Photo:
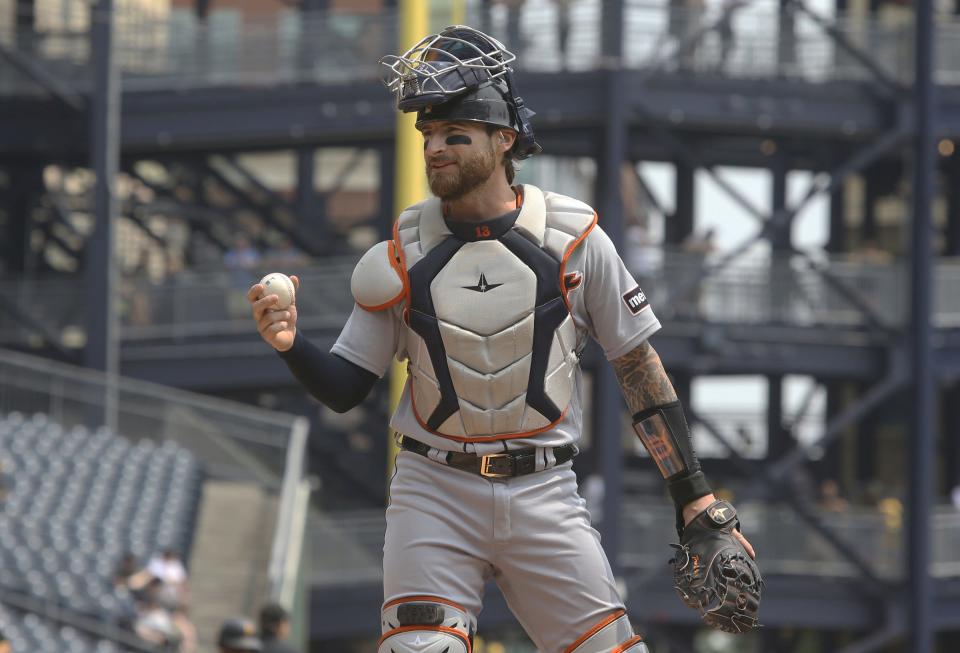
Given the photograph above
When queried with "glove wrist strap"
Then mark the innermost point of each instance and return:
(687, 487)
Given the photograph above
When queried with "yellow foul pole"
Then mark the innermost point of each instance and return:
(458, 12)
(411, 181)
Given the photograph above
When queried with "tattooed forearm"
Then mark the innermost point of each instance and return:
(642, 379)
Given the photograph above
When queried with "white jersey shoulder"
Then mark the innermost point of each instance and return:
(379, 279)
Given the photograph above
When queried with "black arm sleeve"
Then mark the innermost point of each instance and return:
(335, 381)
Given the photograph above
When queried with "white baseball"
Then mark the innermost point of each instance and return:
(279, 284)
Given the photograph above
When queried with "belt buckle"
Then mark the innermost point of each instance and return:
(487, 462)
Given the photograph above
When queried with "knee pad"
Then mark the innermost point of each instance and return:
(612, 635)
(425, 624)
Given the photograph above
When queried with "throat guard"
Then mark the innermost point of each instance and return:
(491, 343)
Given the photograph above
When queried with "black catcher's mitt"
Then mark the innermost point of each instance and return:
(714, 574)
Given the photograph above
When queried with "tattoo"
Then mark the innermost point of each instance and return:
(643, 380)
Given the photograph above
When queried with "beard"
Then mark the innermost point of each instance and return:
(455, 182)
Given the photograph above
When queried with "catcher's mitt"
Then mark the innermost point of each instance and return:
(713, 573)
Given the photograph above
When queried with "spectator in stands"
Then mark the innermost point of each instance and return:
(188, 632)
(241, 261)
(275, 628)
(154, 623)
(239, 635)
(128, 574)
(4, 643)
(697, 247)
(830, 499)
(168, 568)
(870, 252)
(284, 257)
(514, 41)
(726, 32)
(563, 30)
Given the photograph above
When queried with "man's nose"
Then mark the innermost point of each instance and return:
(434, 145)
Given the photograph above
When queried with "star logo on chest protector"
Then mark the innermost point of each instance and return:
(482, 285)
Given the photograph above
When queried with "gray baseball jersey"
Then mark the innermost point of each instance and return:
(449, 531)
(607, 305)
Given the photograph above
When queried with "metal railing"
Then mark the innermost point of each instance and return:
(233, 441)
(176, 49)
(352, 548)
(779, 291)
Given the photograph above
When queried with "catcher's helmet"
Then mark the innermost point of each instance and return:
(461, 74)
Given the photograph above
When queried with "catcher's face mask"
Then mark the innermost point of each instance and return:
(461, 74)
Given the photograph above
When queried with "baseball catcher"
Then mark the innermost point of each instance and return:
(489, 291)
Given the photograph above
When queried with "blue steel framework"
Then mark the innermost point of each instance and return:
(619, 115)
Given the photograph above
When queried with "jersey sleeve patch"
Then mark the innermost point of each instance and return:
(635, 300)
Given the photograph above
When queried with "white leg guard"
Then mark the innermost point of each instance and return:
(425, 624)
(612, 635)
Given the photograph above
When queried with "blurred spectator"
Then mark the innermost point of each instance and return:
(129, 575)
(685, 16)
(242, 256)
(154, 623)
(726, 32)
(869, 251)
(701, 243)
(238, 635)
(188, 632)
(168, 568)
(830, 499)
(955, 497)
(642, 255)
(4, 643)
(275, 629)
(563, 30)
(690, 277)
(514, 37)
(284, 257)
(240, 260)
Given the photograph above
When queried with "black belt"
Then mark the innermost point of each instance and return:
(495, 465)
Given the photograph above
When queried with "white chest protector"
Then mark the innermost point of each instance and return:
(490, 340)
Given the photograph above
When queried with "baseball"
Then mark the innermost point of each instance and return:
(279, 284)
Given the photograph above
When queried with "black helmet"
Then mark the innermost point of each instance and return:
(461, 74)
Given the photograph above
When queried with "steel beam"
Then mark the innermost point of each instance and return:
(386, 192)
(308, 215)
(25, 185)
(820, 184)
(679, 225)
(29, 67)
(863, 406)
(950, 407)
(923, 447)
(608, 408)
(889, 86)
(102, 326)
(837, 242)
(783, 492)
(778, 437)
(264, 211)
(951, 174)
(198, 217)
